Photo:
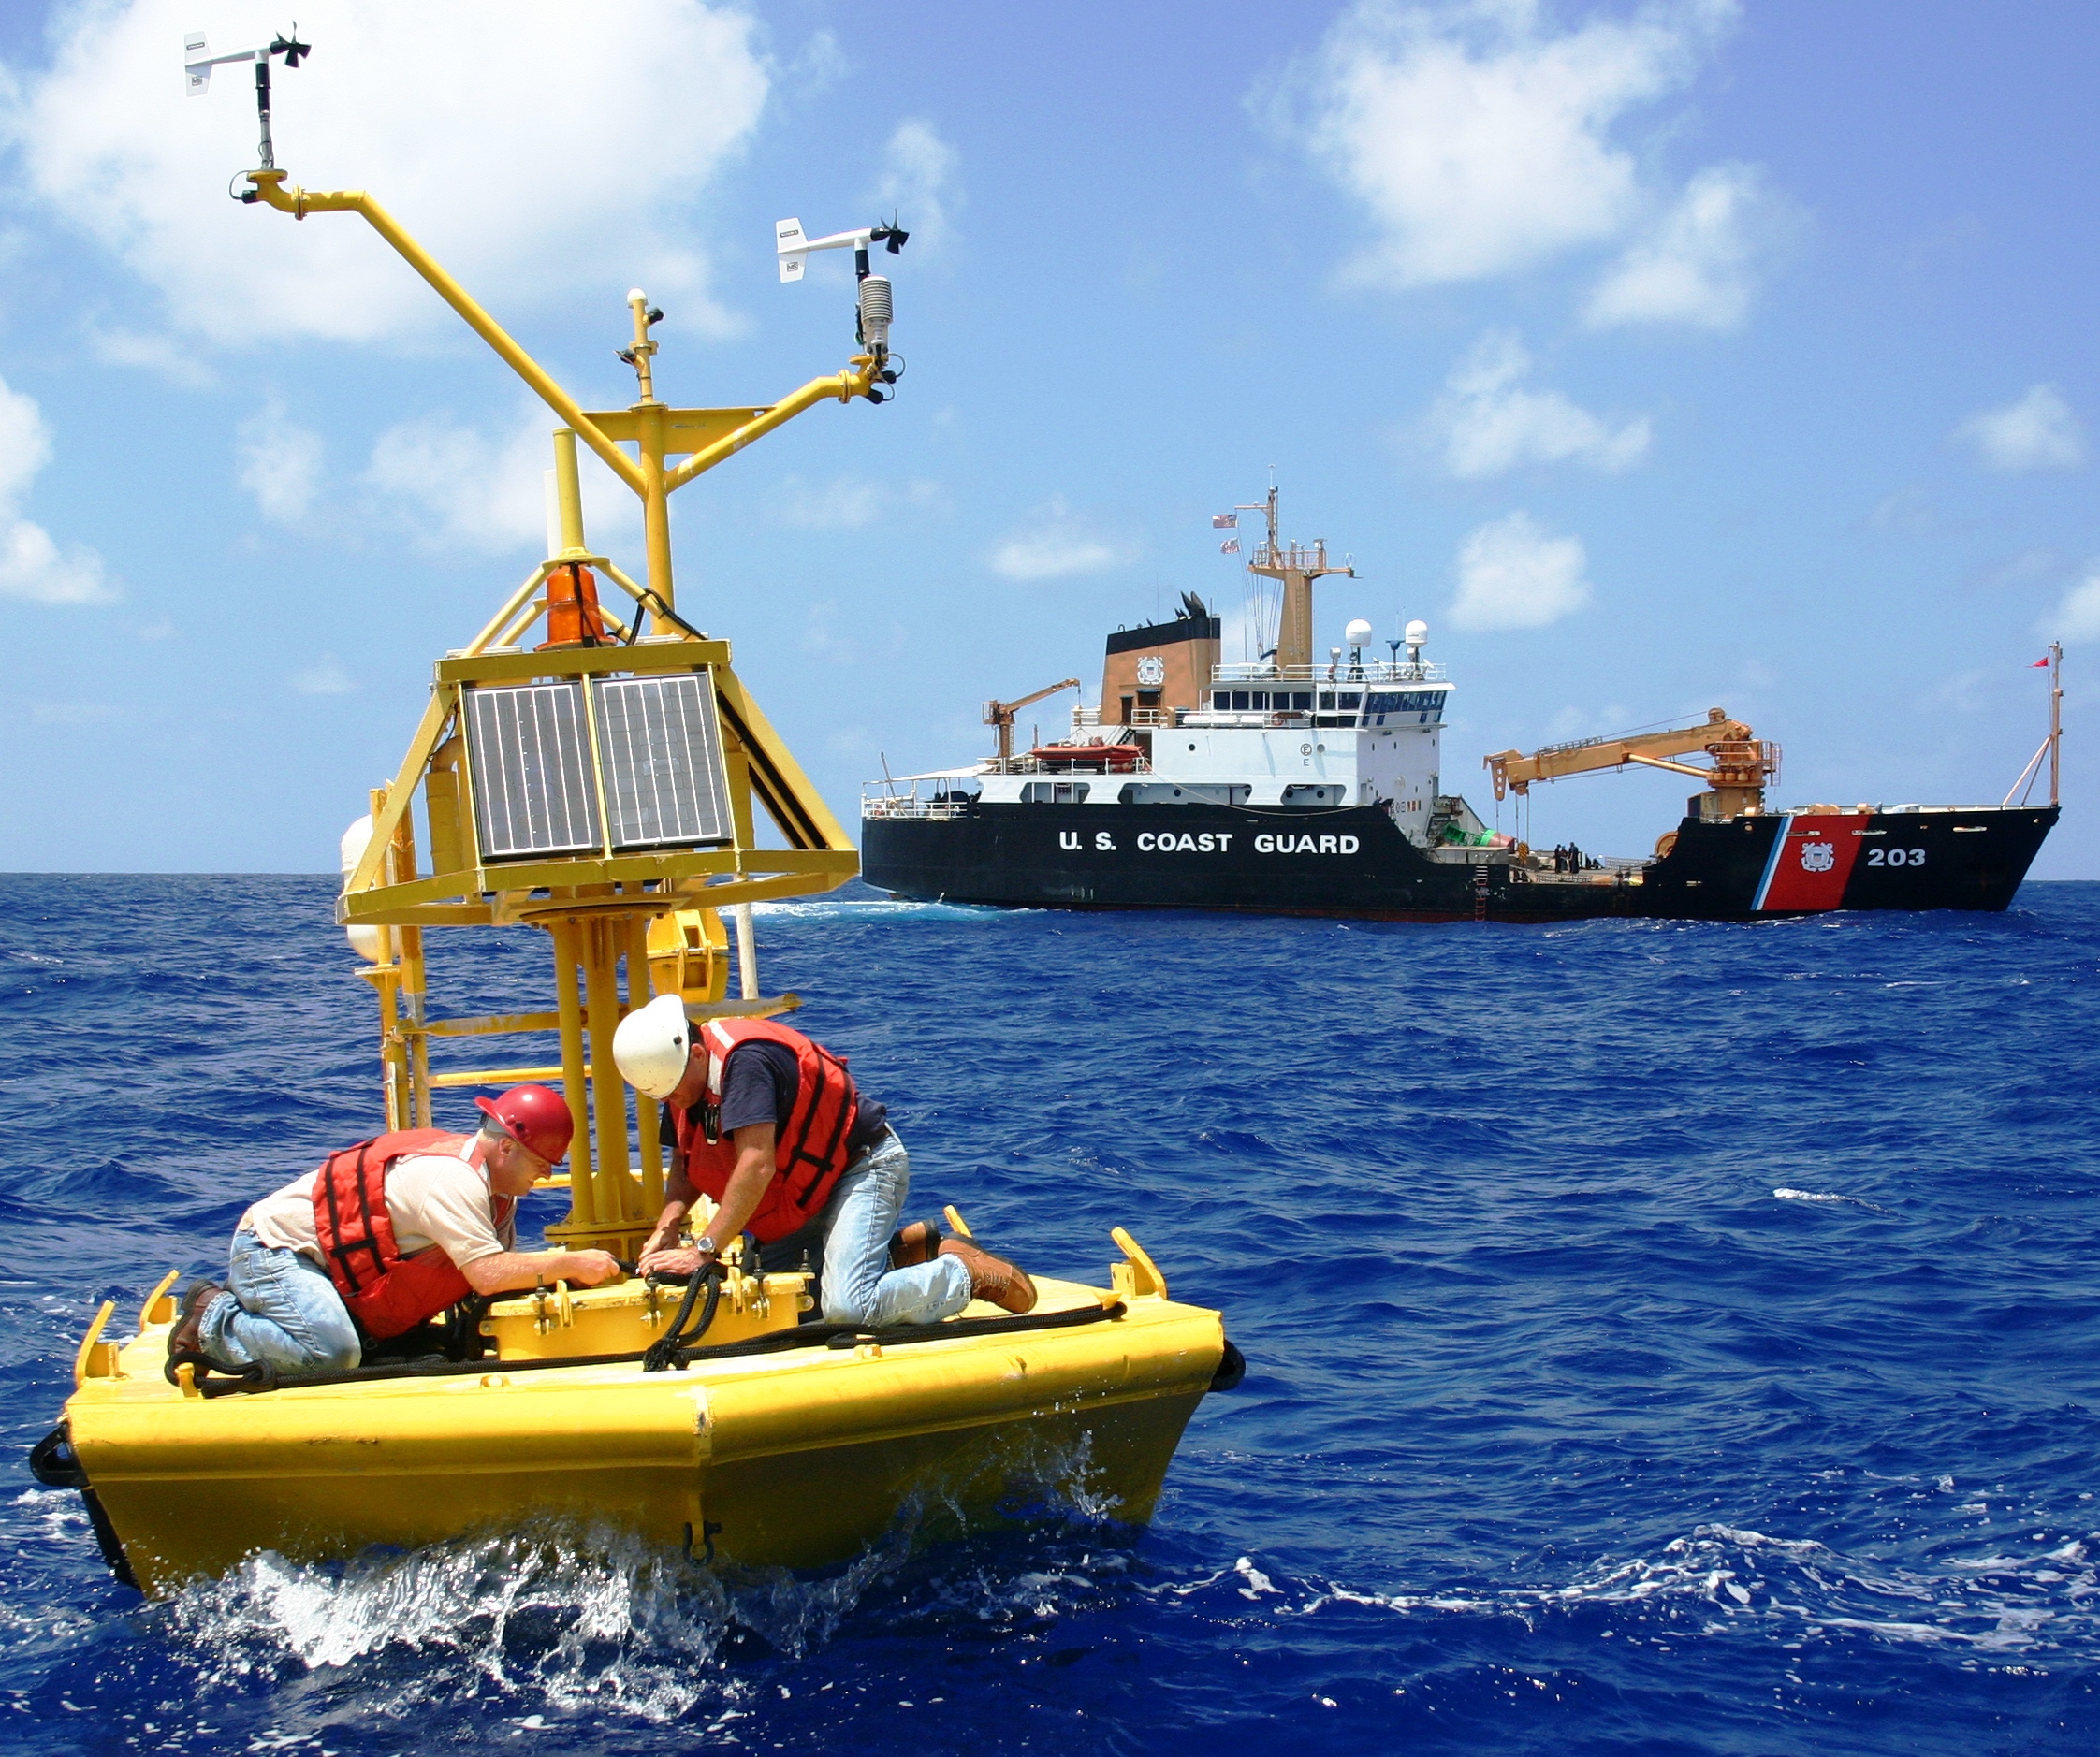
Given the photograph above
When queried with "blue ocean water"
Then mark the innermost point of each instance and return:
(1666, 1337)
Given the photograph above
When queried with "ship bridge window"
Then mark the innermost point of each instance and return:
(1426, 704)
(1221, 699)
(1055, 794)
(1331, 700)
(1301, 701)
(1240, 700)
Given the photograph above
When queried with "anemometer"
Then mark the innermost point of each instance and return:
(872, 309)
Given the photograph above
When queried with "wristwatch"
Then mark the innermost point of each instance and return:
(707, 1246)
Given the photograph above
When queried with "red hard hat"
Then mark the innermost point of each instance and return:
(538, 1120)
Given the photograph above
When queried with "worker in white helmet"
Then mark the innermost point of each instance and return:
(771, 1127)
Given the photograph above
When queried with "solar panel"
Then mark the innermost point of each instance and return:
(530, 757)
(660, 756)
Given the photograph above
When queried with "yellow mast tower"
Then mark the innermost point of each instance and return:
(598, 787)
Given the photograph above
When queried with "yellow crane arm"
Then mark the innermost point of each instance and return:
(1512, 769)
(1001, 713)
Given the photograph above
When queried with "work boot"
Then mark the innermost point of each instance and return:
(186, 1340)
(993, 1278)
(914, 1245)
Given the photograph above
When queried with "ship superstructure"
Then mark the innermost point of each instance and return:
(1309, 783)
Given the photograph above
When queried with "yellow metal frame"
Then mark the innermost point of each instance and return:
(598, 910)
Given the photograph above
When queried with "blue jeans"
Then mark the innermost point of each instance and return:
(859, 1286)
(284, 1313)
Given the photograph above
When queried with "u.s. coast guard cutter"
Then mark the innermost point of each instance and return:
(1307, 784)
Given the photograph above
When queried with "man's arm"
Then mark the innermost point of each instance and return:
(507, 1271)
(677, 1203)
(740, 1198)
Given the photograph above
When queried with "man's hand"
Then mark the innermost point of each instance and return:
(593, 1269)
(673, 1260)
(509, 1271)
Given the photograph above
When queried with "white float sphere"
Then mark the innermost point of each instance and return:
(369, 943)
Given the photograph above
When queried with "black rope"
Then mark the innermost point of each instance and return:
(772, 1343)
(672, 1349)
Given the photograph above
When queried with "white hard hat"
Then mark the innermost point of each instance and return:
(652, 1047)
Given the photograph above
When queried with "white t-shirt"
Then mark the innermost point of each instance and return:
(434, 1198)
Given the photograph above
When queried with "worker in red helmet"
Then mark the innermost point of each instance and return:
(382, 1236)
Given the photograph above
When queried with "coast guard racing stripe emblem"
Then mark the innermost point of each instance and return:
(1812, 859)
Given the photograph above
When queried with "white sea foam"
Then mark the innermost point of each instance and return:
(888, 910)
(1727, 1579)
(1809, 1196)
(568, 1620)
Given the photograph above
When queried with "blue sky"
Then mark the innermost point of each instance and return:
(1658, 356)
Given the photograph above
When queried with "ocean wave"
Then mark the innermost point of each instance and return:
(1722, 1579)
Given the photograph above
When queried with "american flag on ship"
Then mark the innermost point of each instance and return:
(1224, 521)
(1229, 546)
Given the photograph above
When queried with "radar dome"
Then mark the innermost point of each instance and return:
(1418, 634)
(1357, 633)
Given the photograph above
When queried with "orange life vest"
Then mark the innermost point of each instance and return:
(385, 1292)
(811, 1153)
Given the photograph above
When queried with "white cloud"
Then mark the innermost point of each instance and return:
(159, 354)
(73, 713)
(845, 503)
(1512, 575)
(1061, 544)
(918, 184)
(279, 463)
(1693, 266)
(2036, 431)
(2077, 616)
(467, 489)
(32, 564)
(1488, 422)
(325, 678)
(539, 148)
(1478, 138)
(850, 503)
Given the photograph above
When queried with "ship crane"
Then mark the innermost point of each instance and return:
(1742, 763)
(1000, 714)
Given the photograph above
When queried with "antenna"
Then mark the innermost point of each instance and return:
(873, 313)
(199, 61)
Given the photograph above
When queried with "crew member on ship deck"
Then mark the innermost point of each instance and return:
(772, 1127)
(382, 1237)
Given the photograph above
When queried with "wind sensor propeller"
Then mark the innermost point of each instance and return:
(199, 61)
(873, 315)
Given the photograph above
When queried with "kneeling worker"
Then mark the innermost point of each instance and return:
(771, 1125)
(383, 1236)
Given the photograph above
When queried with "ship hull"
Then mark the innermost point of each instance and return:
(1355, 862)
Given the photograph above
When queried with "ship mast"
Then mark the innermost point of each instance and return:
(2051, 747)
(1297, 565)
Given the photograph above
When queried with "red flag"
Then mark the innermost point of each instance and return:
(2040, 665)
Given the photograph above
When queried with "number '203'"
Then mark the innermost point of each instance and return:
(1895, 857)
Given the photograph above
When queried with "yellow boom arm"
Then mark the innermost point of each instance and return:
(1000, 714)
(1729, 742)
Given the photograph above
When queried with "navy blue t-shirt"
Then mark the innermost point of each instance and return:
(759, 1084)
